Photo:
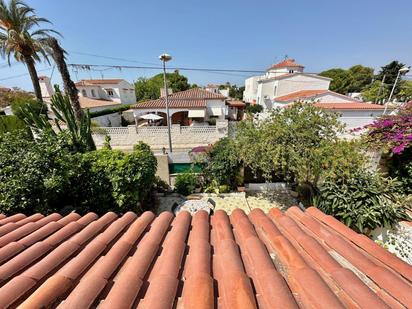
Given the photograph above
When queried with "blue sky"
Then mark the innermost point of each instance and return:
(226, 34)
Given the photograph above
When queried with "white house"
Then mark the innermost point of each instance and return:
(97, 95)
(187, 107)
(115, 90)
(287, 82)
(215, 89)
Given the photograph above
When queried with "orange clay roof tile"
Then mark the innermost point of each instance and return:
(292, 259)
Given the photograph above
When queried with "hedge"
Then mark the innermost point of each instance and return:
(109, 111)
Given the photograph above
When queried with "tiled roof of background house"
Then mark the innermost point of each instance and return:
(191, 98)
(311, 94)
(89, 82)
(287, 63)
(161, 103)
(296, 259)
(350, 105)
(302, 94)
(89, 102)
(235, 103)
(197, 93)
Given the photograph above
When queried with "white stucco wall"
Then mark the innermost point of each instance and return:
(300, 82)
(123, 92)
(157, 137)
(333, 98)
(279, 71)
(357, 118)
(251, 89)
(215, 104)
(111, 120)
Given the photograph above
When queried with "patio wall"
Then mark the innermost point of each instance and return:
(157, 137)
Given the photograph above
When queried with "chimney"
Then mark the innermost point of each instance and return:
(46, 87)
(163, 92)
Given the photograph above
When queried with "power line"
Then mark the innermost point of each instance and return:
(111, 58)
(89, 66)
(24, 74)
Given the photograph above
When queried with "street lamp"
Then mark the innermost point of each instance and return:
(401, 70)
(165, 58)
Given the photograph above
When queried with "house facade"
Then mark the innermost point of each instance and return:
(115, 90)
(286, 81)
(97, 95)
(189, 107)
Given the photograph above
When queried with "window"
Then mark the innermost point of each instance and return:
(84, 93)
(290, 71)
(93, 93)
(275, 90)
(110, 92)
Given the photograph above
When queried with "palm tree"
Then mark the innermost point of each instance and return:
(58, 54)
(19, 38)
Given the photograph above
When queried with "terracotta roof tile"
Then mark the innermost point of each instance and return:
(300, 95)
(292, 259)
(287, 63)
(92, 82)
(192, 98)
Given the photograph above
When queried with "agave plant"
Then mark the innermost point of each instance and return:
(64, 119)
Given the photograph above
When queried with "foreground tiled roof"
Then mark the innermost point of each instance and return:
(192, 98)
(291, 260)
(89, 82)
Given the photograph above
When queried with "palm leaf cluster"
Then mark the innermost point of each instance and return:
(20, 35)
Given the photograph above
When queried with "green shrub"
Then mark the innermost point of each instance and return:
(363, 201)
(36, 176)
(118, 181)
(46, 175)
(400, 166)
(297, 144)
(186, 183)
(11, 123)
(109, 111)
(212, 121)
(19, 104)
(254, 109)
(221, 163)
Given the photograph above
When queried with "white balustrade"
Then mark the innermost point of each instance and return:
(158, 135)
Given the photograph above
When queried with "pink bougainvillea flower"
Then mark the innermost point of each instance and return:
(399, 149)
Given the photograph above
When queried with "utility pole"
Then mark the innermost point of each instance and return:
(401, 70)
(164, 58)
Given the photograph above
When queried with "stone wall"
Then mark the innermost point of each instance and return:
(157, 137)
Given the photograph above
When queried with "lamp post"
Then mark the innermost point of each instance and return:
(165, 58)
(401, 70)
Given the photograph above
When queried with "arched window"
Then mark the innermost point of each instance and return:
(84, 93)
(93, 93)
(291, 71)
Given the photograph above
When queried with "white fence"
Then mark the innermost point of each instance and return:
(182, 137)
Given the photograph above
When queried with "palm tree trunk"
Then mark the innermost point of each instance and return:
(34, 78)
(69, 86)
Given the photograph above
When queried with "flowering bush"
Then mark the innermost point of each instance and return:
(393, 132)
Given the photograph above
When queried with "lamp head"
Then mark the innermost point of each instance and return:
(404, 70)
(165, 57)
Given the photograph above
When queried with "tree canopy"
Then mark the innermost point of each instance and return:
(355, 79)
(149, 88)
